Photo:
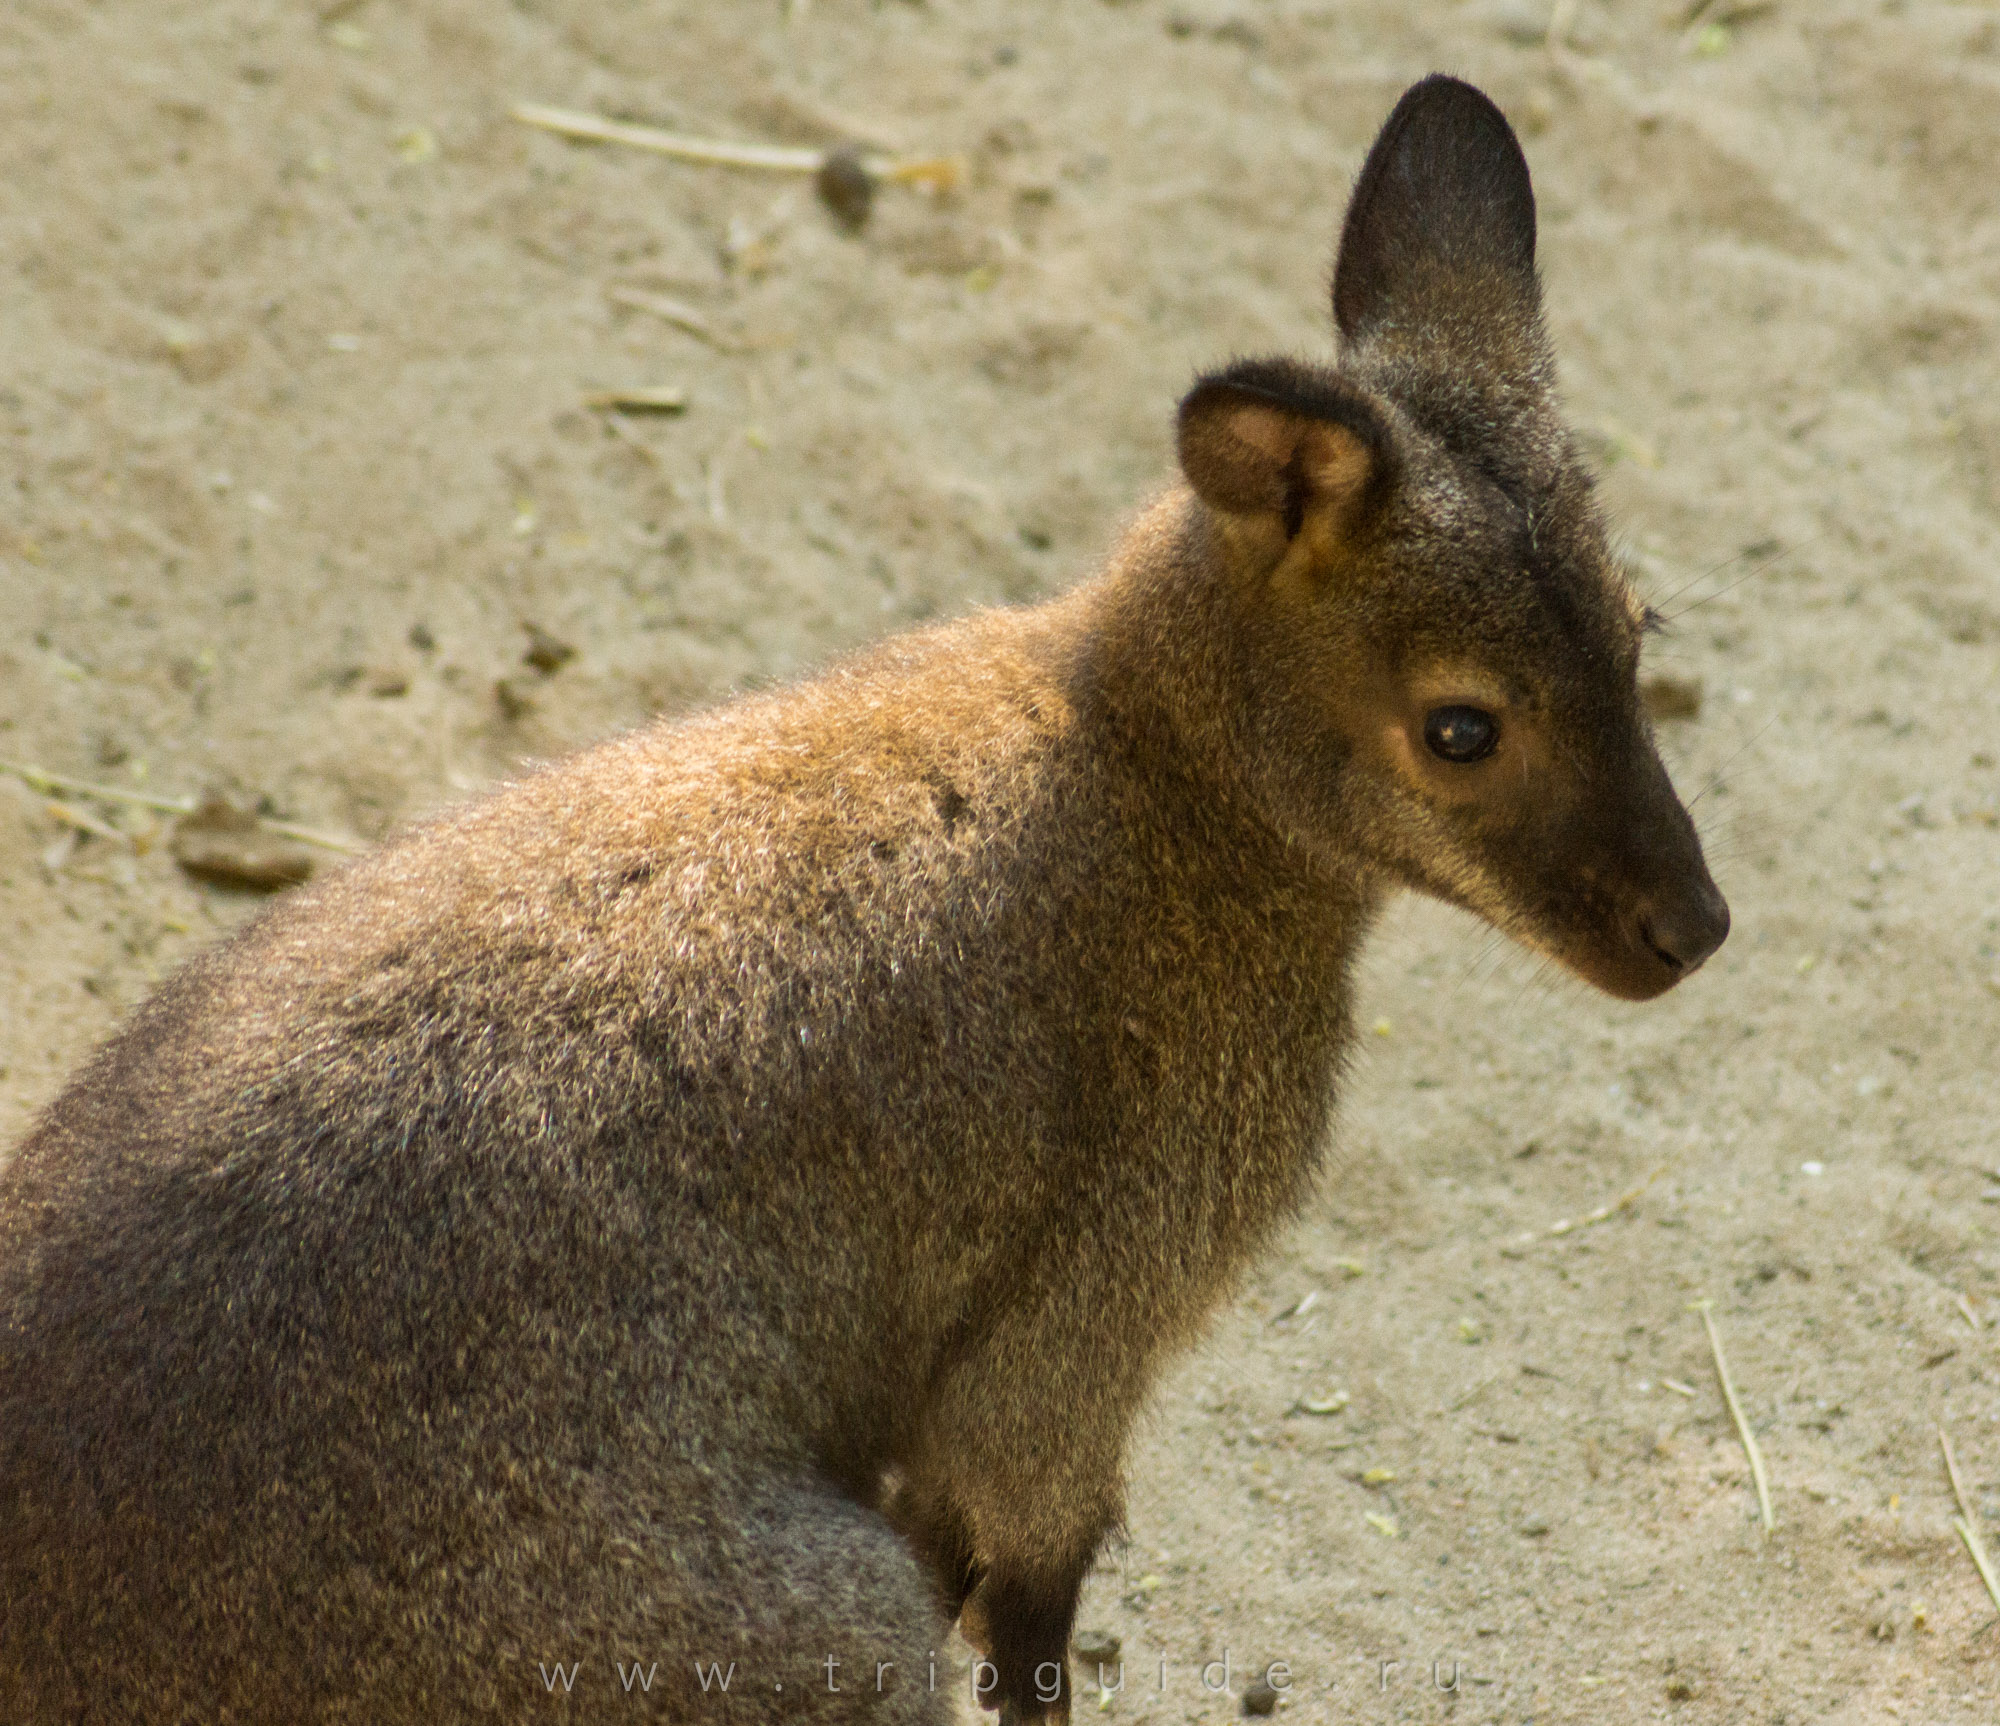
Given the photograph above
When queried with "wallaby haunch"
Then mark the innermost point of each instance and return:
(718, 1203)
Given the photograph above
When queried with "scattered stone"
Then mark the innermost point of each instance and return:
(1666, 697)
(422, 639)
(1260, 1699)
(515, 702)
(1094, 1646)
(386, 685)
(546, 653)
(1534, 1526)
(846, 188)
(634, 399)
(219, 843)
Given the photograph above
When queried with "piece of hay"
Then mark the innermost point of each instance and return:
(1743, 1431)
(933, 173)
(41, 780)
(640, 399)
(1968, 1530)
(1605, 1212)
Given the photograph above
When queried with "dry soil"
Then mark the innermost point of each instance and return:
(296, 335)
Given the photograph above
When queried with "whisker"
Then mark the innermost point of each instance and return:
(1720, 593)
(1658, 606)
(1763, 563)
(1718, 777)
(1485, 950)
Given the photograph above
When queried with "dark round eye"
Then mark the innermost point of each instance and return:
(1461, 734)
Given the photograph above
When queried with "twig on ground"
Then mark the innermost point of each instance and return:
(85, 822)
(1968, 1530)
(1743, 1431)
(41, 780)
(672, 311)
(1604, 1212)
(717, 152)
(621, 428)
(940, 173)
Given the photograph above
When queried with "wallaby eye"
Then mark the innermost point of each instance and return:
(1461, 734)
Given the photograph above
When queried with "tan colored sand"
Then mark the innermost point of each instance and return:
(297, 327)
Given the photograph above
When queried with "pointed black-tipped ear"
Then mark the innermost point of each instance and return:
(1442, 213)
(1269, 437)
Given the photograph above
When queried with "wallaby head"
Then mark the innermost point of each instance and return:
(1450, 651)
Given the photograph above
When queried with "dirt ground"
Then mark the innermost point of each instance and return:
(298, 329)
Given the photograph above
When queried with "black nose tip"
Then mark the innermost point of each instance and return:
(1685, 931)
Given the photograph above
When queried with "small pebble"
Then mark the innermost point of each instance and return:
(1535, 1526)
(846, 188)
(219, 843)
(515, 703)
(1093, 1646)
(1260, 1699)
(545, 652)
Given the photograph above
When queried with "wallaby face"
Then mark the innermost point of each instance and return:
(1415, 540)
(715, 1207)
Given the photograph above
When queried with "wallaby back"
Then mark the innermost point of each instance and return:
(722, 1200)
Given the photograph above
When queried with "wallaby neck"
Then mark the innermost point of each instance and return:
(1168, 661)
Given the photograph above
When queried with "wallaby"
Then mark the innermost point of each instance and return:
(688, 1228)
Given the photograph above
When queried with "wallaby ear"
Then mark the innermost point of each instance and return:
(1443, 210)
(1272, 437)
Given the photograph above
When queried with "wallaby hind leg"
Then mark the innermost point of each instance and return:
(786, 1602)
(683, 1600)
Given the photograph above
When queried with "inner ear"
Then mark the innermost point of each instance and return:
(1443, 213)
(1270, 438)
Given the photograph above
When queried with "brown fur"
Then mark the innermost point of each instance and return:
(725, 1197)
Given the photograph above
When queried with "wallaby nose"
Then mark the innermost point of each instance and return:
(1683, 932)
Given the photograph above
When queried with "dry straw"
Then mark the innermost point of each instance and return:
(1604, 1213)
(1968, 1530)
(39, 779)
(940, 173)
(1743, 1431)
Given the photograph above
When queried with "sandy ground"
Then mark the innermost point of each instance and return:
(297, 330)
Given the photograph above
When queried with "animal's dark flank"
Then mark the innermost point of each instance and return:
(724, 1198)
